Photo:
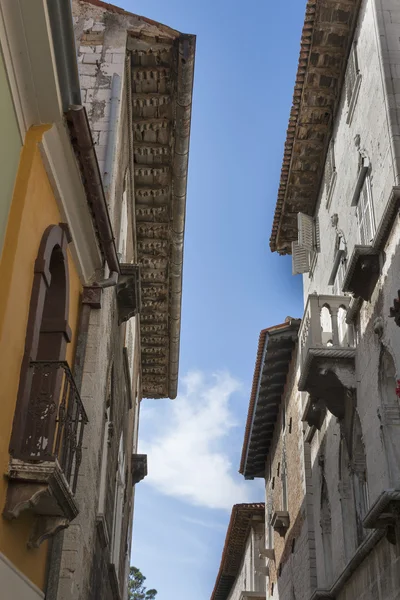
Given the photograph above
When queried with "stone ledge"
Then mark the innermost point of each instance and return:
(42, 489)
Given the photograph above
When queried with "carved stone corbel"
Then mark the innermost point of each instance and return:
(44, 528)
(139, 467)
(314, 413)
(41, 489)
(128, 292)
(21, 496)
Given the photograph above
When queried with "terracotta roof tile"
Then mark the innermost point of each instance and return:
(314, 10)
(287, 325)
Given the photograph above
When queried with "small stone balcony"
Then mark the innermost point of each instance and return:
(44, 465)
(327, 355)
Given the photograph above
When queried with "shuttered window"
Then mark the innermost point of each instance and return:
(352, 82)
(351, 73)
(307, 244)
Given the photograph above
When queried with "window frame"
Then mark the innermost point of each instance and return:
(352, 82)
(364, 207)
(330, 172)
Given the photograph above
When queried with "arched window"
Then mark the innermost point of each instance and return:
(326, 532)
(43, 373)
(123, 228)
(390, 409)
(107, 438)
(326, 326)
(347, 501)
(118, 506)
(359, 470)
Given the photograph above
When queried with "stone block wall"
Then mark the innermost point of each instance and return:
(85, 560)
(293, 572)
(370, 124)
(374, 126)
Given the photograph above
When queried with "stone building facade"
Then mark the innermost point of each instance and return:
(241, 574)
(51, 247)
(136, 79)
(340, 176)
(273, 449)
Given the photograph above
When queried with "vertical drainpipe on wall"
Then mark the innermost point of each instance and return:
(62, 29)
(110, 150)
(112, 279)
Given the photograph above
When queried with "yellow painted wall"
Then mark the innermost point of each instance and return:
(33, 209)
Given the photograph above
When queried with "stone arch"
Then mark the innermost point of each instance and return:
(326, 325)
(390, 415)
(47, 336)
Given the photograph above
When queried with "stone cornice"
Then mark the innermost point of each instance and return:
(162, 82)
(159, 72)
(325, 43)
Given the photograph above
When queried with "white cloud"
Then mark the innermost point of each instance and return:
(188, 456)
(205, 524)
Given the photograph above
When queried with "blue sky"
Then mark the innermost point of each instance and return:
(246, 62)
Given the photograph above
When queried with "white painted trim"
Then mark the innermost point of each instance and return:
(64, 175)
(26, 40)
(15, 585)
(8, 62)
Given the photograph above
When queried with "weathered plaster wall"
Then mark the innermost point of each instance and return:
(101, 42)
(33, 208)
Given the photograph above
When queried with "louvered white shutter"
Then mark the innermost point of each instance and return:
(317, 237)
(300, 259)
(305, 225)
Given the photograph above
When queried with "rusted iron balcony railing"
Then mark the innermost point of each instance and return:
(327, 349)
(46, 454)
(56, 419)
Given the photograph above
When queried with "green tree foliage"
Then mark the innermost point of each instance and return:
(136, 588)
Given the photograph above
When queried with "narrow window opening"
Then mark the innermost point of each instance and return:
(365, 214)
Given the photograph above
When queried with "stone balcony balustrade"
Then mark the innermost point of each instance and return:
(327, 356)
